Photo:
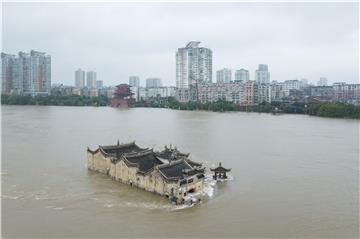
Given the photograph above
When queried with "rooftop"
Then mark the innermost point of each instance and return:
(175, 169)
(193, 44)
(145, 160)
(121, 148)
(220, 169)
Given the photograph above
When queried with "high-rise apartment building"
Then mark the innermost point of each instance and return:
(91, 79)
(79, 79)
(99, 84)
(153, 82)
(27, 73)
(9, 72)
(262, 74)
(134, 81)
(40, 73)
(242, 75)
(223, 76)
(304, 82)
(322, 81)
(193, 65)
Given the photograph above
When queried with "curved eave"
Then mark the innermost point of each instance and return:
(115, 146)
(130, 164)
(91, 151)
(193, 162)
(220, 170)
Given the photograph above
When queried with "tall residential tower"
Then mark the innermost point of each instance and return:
(262, 75)
(26, 74)
(79, 79)
(134, 81)
(193, 65)
(91, 79)
(242, 75)
(223, 76)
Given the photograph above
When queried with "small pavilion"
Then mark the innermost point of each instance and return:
(220, 172)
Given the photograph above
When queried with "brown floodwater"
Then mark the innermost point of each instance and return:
(292, 175)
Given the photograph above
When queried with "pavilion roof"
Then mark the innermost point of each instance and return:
(220, 169)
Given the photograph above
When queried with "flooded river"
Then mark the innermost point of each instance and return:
(292, 175)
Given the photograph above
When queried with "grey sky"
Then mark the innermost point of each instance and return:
(296, 40)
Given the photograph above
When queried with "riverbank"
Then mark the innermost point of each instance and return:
(57, 100)
(332, 110)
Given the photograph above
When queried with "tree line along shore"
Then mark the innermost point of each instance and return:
(323, 109)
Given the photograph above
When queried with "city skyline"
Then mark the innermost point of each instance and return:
(301, 47)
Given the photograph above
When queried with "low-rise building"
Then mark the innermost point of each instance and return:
(349, 93)
(323, 93)
(160, 92)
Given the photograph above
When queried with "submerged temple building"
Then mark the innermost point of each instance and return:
(169, 172)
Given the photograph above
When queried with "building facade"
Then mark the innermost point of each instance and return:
(91, 79)
(193, 65)
(134, 81)
(322, 81)
(9, 73)
(262, 74)
(99, 84)
(160, 92)
(242, 75)
(153, 82)
(26, 74)
(79, 79)
(349, 93)
(263, 93)
(223, 76)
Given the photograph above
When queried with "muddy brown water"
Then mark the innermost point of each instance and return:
(293, 175)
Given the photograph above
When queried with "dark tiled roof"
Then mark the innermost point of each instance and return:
(121, 148)
(193, 164)
(220, 169)
(145, 160)
(168, 153)
(175, 169)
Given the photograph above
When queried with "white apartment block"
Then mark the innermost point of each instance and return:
(79, 79)
(193, 65)
(242, 75)
(161, 92)
(322, 81)
(91, 79)
(134, 81)
(26, 74)
(223, 76)
(153, 82)
(262, 75)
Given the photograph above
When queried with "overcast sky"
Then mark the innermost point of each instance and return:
(296, 40)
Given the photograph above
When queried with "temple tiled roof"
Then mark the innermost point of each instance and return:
(192, 163)
(175, 169)
(145, 160)
(121, 148)
(171, 153)
(220, 169)
(178, 169)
